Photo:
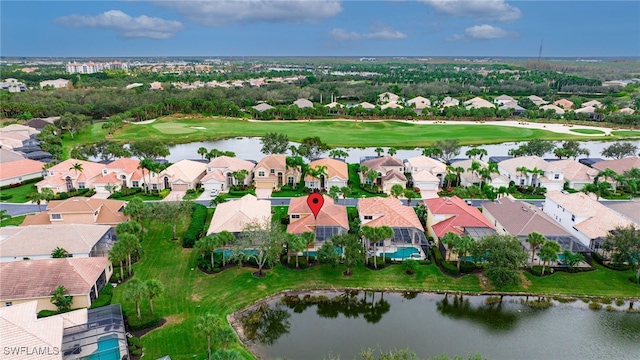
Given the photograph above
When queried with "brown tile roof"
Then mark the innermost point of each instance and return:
(573, 170)
(459, 216)
(216, 175)
(330, 215)
(530, 162)
(394, 174)
(234, 215)
(108, 210)
(599, 218)
(377, 163)
(522, 218)
(426, 162)
(630, 209)
(38, 278)
(564, 103)
(19, 168)
(185, 170)
(335, 168)
(41, 240)
(273, 161)
(618, 165)
(231, 163)
(393, 213)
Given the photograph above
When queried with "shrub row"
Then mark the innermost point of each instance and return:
(447, 266)
(104, 298)
(196, 227)
(145, 322)
(5, 196)
(617, 267)
(30, 181)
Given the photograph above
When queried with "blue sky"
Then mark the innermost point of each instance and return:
(320, 28)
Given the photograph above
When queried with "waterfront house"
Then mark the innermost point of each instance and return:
(181, 176)
(564, 104)
(454, 215)
(220, 172)
(331, 219)
(234, 216)
(537, 100)
(303, 103)
(468, 178)
(336, 174)
(63, 177)
(378, 211)
(618, 165)
(556, 109)
(390, 172)
(80, 210)
(538, 172)
(388, 97)
(262, 107)
(272, 172)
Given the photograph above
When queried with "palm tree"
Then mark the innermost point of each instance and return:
(375, 235)
(208, 325)
(240, 176)
(599, 189)
(61, 299)
(392, 151)
(59, 253)
(317, 172)
(225, 335)
(397, 190)
(535, 239)
(450, 239)
(48, 194)
(132, 243)
(431, 151)
(207, 244)
(309, 239)
(37, 197)
(379, 151)
(136, 291)
(474, 168)
(345, 191)
(154, 288)
(338, 154)
(77, 167)
(549, 253)
(462, 245)
(523, 170)
(202, 151)
(118, 254)
(146, 164)
(535, 173)
(607, 174)
(410, 195)
(224, 238)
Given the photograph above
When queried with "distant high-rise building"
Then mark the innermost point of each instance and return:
(94, 67)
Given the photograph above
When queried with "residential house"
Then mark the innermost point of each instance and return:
(337, 174)
(272, 172)
(18, 171)
(538, 174)
(63, 177)
(335, 108)
(468, 178)
(519, 219)
(391, 105)
(156, 86)
(366, 105)
(40, 123)
(592, 103)
(629, 209)
(37, 242)
(574, 174)
(446, 215)
(388, 97)
(537, 100)
(449, 101)
(12, 85)
(262, 107)
(234, 216)
(627, 111)
(34, 280)
(8, 155)
(303, 103)
(56, 84)
(558, 110)
(123, 172)
(583, 217)
(379, 211)
(220, 173)
(331, 219)
(390, 172)
(477, 103)
(513, 107)
(181, 176)
(427, 174)
(564, 104)
(591, 112)
(26, 131)
(503, 99)
(418, 104)
(72, 335)
(618, 165)
(80, 210)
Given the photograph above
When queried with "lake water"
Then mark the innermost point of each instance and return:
(249, 148)
(432, 324)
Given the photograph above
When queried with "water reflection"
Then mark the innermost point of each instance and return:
(491, 315)
(266, 323)
(348, 304)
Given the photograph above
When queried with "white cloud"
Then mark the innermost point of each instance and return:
(223, 12)
(124, 25)
(488, 10)
(378, 32)
(483, 32)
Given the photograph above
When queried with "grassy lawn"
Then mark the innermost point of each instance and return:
(190, 293)
(19, 193)
(287, 193)
(192, 196)
(588, 131)
(625, 133)
(519, 195)
(141, 195)
(354, 183)
(335, 133)
(13, 221)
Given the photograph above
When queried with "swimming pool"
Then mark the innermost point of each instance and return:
(315, 253)
(403, 253)
(108, 349)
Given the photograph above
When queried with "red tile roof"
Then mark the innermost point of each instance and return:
(459, 216)
(330, 215)
(394, 214)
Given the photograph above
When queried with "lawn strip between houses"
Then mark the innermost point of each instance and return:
(190, 293)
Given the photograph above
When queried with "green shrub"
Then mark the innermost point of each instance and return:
(424, 262)
(466, 266)
(145, 322)
(447, 266)
(619, 302)
(104, 298)
(63, 196)
(196, 227)
(116, 195)
(164, 193)
(595, 305)
(5, 196)
(134, 341)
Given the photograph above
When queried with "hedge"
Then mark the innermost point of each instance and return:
(447, 266)
(25, 182)
(147, 321)
(104, 298)
(196, 227)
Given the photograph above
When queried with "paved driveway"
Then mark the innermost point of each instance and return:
(175, 195)
(263, 193)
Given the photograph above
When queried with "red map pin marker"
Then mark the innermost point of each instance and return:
(315, 202)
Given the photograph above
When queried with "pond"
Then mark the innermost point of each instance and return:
(334, 324)
(249, 148)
